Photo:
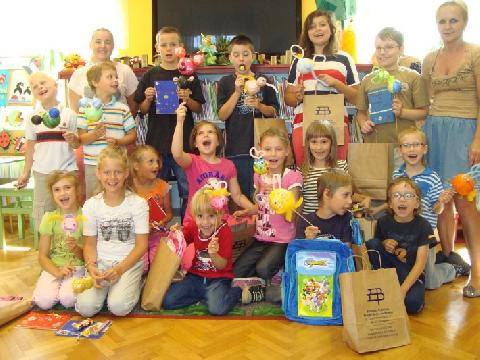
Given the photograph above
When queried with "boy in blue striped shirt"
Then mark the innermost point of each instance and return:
(115, 125)
(413, 148)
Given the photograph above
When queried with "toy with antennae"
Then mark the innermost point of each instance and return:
(468, 184)
(305, 65)
(260, 166)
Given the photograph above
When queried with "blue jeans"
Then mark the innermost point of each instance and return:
(217, 292)
(169, 165)
(415, 298)
(244, 166)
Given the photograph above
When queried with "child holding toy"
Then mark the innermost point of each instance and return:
(145, 164)
(162, 126)
(266, 255)
(335, 69)
(50, 133)
(210, 276)
(115, 233)
(113, 123)
(402, 238)
(409, 99)
(60, 253)
(238, 109)
(332, 218)
(205, 166)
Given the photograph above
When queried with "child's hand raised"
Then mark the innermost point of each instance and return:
(239, 84)
(181, 112)
(149, 93)
(390, 245)
(397, 107)
(311, 232)
(213, 246)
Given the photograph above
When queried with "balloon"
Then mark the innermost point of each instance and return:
(464, 185)
(218, 194)
(92, 109)
(260, 166)
(82, 284)
(282, 202)
(180, 52)
(69, 223)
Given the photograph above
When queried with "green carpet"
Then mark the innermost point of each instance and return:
(256, 310)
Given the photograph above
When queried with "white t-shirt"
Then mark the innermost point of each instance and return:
(127, 82)
(115, 227)
(51, 151)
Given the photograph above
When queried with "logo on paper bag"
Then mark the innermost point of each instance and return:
(376, 294)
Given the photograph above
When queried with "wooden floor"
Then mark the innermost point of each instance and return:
(448, 328)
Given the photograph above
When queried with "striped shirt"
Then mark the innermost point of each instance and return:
(118, 121)
(310, 196)
(431, 187)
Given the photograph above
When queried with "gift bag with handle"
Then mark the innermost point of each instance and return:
(374, 315)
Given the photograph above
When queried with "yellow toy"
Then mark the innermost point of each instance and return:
(283, 202)
(82, 284)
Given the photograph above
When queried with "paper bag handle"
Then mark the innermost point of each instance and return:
(361, 257)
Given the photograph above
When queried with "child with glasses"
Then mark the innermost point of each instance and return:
(402, 239)
(382, 114)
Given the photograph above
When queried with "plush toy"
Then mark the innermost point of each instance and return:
(92, 109)
(50, 118)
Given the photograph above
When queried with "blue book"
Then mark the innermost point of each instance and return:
(381, 106)
(166, 98)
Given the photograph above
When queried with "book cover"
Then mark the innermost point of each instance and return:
(166, 97)
(74, 328)
(44, 321)
(381, 106)
(315, 271)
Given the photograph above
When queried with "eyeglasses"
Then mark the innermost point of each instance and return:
(385, 48)
(412, 145)
(405, 196)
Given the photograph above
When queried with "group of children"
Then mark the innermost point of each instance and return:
(128, 206)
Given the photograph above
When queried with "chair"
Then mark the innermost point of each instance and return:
(22, 206)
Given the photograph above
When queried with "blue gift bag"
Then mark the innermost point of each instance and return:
(310, 284)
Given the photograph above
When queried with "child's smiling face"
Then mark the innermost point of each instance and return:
(65, 195)
(320, 148)
(44, 88)
(274, 152)
(403, 200)
(206, 140)
(108, 82)
(412, 149)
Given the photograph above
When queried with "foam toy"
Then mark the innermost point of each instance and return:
(260, 166)
(50, 118)
(283, 202)
(92, 109)
(305, 65)
(218, 194)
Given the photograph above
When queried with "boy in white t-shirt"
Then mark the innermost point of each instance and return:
(50, 133)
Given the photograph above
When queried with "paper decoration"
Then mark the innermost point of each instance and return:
(166, 97)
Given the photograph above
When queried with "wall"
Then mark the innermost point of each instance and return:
(138, 25)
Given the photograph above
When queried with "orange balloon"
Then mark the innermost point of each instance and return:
(463, 184)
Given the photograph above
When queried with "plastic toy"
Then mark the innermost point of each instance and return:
(50, 118)
(260, 166)
(393, 85)
(466, 184)
(305, 65)
(218, 194)
(92, 109)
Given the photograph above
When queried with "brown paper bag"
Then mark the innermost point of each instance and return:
(374, 315)
(368, 228)
(242, 237)
(262, 124)
(330, 107)
(163, 269)
(371, 167)
(10, 310)
(362, 262)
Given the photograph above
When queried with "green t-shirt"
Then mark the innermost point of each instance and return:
(52, 225)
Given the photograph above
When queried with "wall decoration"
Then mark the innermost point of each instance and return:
(19, 92)
(4, 77)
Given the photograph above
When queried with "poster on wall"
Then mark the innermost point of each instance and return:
(4, 77)
(19, 92)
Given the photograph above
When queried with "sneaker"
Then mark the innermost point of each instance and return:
(470, 292)
(455, 258)
(253, 294)
(246, 282)
(461, 270)
(441, 258)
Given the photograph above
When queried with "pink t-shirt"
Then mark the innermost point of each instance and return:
(201, 172)
(270, 226)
